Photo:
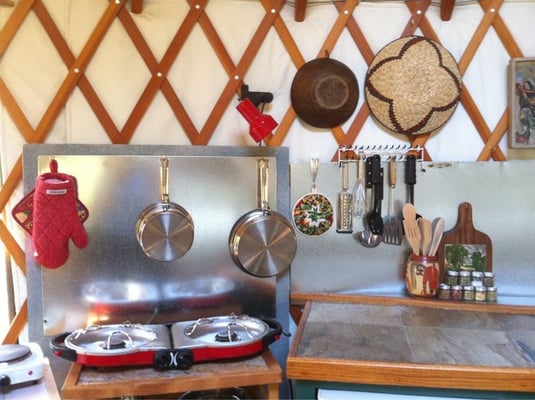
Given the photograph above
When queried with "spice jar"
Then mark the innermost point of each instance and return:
(480, 294)
(492, 294)
(456, 292)
(444, 291)
(422, 275)
(468, 293)
(488, 279)
(477, 278)
(452, 277)
(464, 278)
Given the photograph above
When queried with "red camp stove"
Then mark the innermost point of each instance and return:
(20, 363)
(175, 346)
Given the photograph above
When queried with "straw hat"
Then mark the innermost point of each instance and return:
(324, 93)
(413, 85)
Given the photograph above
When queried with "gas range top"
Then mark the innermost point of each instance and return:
(20, 363)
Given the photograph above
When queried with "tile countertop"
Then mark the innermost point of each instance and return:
(414, 343)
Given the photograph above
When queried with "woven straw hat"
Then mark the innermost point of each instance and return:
(413, 85)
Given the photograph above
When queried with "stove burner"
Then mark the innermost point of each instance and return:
(13, 352)
(226, 336)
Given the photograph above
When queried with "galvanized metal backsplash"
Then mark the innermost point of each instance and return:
(112, 280)
(501, 195)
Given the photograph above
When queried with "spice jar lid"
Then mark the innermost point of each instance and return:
(492, 289)
(468, 288)
(489, 274)
(477, 273)
(457, 287)
(464, 273)
(481, 289)
(444, 286)
(453, 273)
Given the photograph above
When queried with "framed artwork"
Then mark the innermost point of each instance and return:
(522, 103)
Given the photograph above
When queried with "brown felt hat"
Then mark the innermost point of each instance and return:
(324, 93)
(413, 85)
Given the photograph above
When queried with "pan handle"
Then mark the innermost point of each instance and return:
(164, 179)
(263, 183)
(275, 331)
(57, 344)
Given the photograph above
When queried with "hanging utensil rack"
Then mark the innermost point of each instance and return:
(387, 151)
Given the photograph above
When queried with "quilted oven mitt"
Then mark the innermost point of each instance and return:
(55, 219)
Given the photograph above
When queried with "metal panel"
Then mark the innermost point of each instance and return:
(112, 280)
(501, 195)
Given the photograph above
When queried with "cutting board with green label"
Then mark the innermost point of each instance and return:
(464, 247)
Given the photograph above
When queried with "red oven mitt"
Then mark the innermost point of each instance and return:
(55, 219)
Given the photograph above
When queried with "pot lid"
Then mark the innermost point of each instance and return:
(116, 339)
(324, 93)
(224, 331)
(413, 85)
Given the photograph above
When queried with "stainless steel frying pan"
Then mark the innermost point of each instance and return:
(164, 230)
(262, 242)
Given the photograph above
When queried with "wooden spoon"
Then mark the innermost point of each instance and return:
(412, 233)
(437, 236)
(426, 232)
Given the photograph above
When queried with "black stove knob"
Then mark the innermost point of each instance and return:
(173, 359)
(4, 380)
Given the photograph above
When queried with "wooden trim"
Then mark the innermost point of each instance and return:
(13, 247)
(17, 325)
(10, 28)
(302, 298)
(446, 9)
(300, 10)
(11, 183)
(420, 375)
(15, 112)
(218, 378)
(447, 376)
(136, 6)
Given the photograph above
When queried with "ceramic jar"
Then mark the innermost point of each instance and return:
(422, 275)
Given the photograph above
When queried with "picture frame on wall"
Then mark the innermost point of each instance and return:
(522, 103)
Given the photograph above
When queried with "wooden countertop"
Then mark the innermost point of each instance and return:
(415, 343)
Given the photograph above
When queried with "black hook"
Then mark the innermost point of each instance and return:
(256, 98)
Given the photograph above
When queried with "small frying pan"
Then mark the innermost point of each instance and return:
(164, 230)
(313, 213)
(262, 242)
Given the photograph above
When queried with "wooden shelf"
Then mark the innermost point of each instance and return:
(101, 383)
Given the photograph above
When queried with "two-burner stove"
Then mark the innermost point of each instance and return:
(19, 364)
(175, 346)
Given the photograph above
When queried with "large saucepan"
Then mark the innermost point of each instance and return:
(164, 230)
(262, 242)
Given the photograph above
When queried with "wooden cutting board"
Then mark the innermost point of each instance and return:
(466, 234)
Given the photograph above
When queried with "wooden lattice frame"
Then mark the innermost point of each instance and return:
(117, 10)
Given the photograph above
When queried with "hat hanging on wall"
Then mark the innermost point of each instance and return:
(413, 85)
(324, 93)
